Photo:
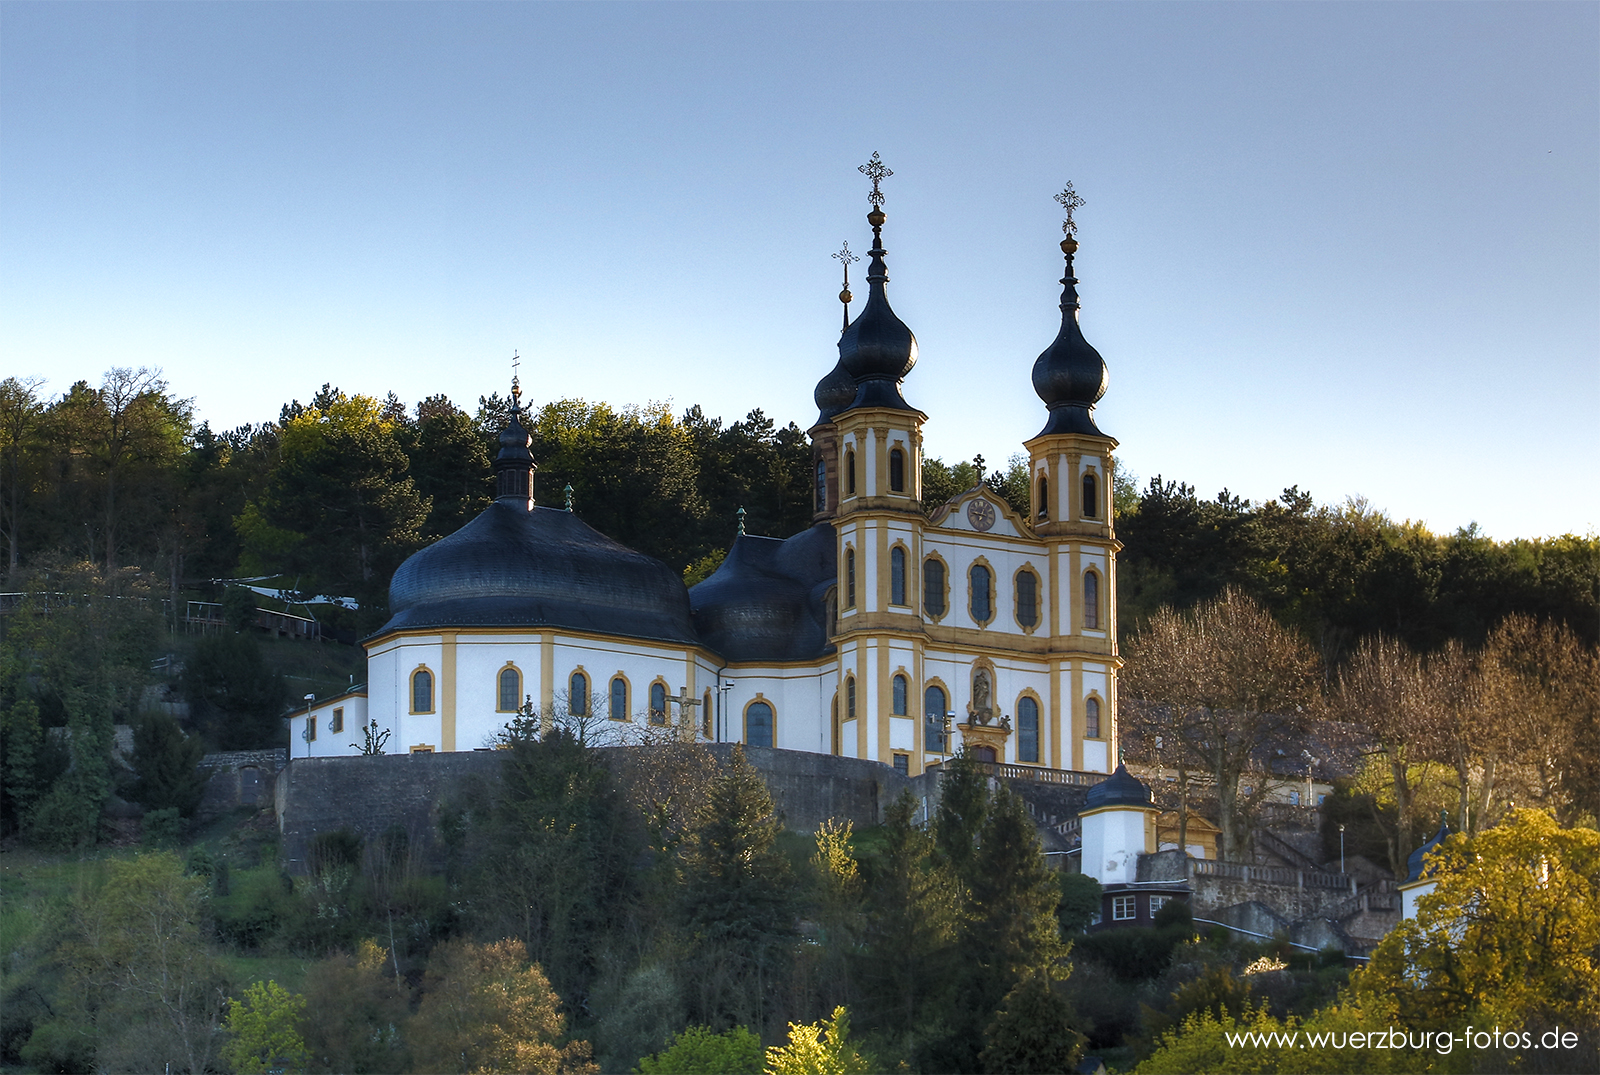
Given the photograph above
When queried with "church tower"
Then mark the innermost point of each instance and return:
(1070, 469)
(877, 453)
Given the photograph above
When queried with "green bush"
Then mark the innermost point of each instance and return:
(163, 828)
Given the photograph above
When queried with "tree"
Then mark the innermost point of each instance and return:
(485, 1008)
(167, 763)
(697, 1051)
(837, 898)
(21, 415)
(1232, 679)
(234, 697)
(1510, 937)
(1032, 1032)
(449, 463)
(820, 1048)
(264, 1030)
(737, 898)
(354, 1013)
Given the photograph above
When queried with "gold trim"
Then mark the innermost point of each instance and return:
(512, 666)
(1016, 597)
(934, 555)
(744, 718)
(994, 603)
(411, 685)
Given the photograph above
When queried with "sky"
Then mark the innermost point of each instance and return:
(1349, 247)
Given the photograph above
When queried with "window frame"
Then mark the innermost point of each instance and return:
(821, 479)
(990, 596)
(578, 702)
(1089, 494)
(499, 689)
(943, 586)
(899, 695)
(899, 560)
(433, 681)
(661, 717)
(1092, 713)
(1091, 600)
(336, 720)
(937, 725)
(611, 698)
(849, 576)
(772, 719)
(897, 469)
(1042, 510)
(1016, 598)
(850, 470)
(1130, 902)
(1032, 699)
(849, 698)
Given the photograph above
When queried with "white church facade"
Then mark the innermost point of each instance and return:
(881, 632)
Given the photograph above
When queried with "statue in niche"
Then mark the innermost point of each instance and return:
(981, 711)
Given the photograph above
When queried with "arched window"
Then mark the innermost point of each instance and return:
(822, 485)
(850, 471)
(849, 578)
(897, 575)
(899, 696)
(1027, 729)
(1091, 601)
(849, 697)
(933, 711)
(1044, 497)
(758, 729)
(1091, 719)
(658, 703)
(1091, 496)
(832, 604)
(578, 695)
(422, 691)
(897, 470)
(933, 587)
(619, 699)
(1027, 598)
(705, 714)
(980, 603)
(510, 690)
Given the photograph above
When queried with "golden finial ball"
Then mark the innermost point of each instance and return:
(845, 296)
(1069, 246)
(876, 218)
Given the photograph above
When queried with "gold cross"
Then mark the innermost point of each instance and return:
(874, 170)
(1069, 201)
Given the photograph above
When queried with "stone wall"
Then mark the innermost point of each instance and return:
(239, 778)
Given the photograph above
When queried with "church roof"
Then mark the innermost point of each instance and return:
(538, 567)
(767, 600)
(1414, 868)
(1121, 788)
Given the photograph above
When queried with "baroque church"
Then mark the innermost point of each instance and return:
(881, 632)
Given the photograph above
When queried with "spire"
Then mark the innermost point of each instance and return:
(845, 256)
(1070, 375)
(837, 388)
(514, 465)
(877, 349)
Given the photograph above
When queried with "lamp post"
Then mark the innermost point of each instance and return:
(305, 733)
(1341, 848)
(722, 705)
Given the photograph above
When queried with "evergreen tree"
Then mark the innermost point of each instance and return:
(166, 762)
(1033, 1033)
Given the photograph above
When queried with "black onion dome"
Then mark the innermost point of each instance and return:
(541, 567)
(1121, 788)
(766, 601)
(1414, 869)
(878, 350)
(834, 393)
(1070, 376)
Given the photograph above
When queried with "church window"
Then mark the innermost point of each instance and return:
(1027, 729)
(619, 699)
(1091, 601)
(1124, 908)
(1027, 598)
(849, 578)
(850, 698)
(758, 730)
(1044, 497)
(1091, 719)
(899, 691)
(336, 722)
(422, 691)
(902, 764)
(933, 587)
(578, 695)
(832, 608)
(658, 702)
(897, 575)
(850, 471)
(705, 714)
(822, 485)
(897, 470)
(510, 693)
(981, 598)
(933, 712)
(1091, 496)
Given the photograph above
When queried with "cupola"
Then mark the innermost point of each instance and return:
(877, 350)
(1070, 376)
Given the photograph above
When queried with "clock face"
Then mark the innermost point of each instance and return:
(980, 513)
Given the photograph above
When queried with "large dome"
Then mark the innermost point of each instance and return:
(766, 601)
(538, 567)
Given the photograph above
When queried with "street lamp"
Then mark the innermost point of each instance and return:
(1341, 848)
(722, 705)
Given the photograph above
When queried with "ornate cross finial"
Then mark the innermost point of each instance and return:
(516, 386)
(875, 170)
(740, 513)
(977, 461)
(1069, 201)
(569, 497)
(846, 257)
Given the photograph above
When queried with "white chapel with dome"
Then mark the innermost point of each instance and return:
(880, 632)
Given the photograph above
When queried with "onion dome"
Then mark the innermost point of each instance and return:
(834, 394)
(514, 465)
(1121, 788)
(1414, 867)
(767, 600)
(538, 567)
(878, 350)
(1070, 376)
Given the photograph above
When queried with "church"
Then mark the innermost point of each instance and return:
(881, 632)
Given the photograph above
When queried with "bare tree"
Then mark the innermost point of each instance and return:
(1230, 678)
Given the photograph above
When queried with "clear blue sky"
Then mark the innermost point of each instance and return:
(1346, 246)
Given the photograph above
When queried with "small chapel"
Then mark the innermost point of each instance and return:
(881, 632)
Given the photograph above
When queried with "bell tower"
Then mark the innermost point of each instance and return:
(1070, 504)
